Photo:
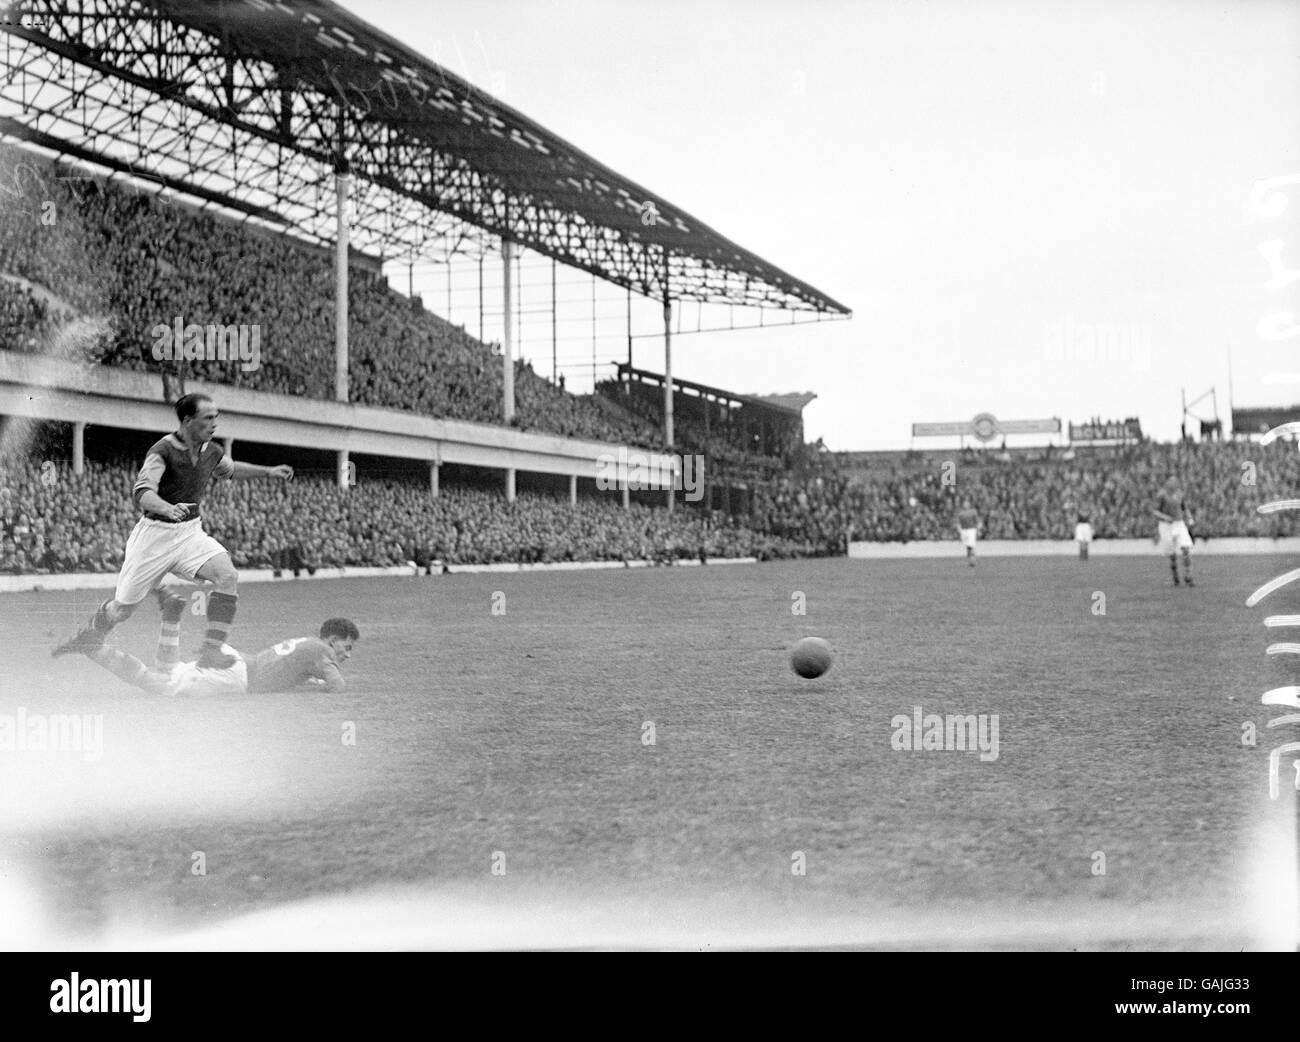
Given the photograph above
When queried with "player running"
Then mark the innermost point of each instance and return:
(169, 536)
(1172, 535)
(968, 523)
(288, 665)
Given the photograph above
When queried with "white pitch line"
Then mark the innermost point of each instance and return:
(1269, 587)
(1277, 432)
(1275, 763)
(1282, 649)
(1277, 506)
(1282, 696)
(1282, 620)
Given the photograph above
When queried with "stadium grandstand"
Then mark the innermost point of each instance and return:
(207, 197)
(169, 166)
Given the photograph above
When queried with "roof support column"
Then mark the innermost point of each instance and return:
(341, 285)
(668, 382)
(508, 339)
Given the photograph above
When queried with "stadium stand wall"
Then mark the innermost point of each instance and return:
(51, 389)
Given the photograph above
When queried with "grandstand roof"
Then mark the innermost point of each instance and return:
(793, 402)
(787, 403)
(250, 105)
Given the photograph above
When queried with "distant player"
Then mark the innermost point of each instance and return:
(968, 524)
(1083, 533)
(284, 667)
(169, 536)
(1173, 521)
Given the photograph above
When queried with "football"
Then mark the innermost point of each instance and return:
(811, 657)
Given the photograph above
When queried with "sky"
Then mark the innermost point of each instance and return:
(1034, 208)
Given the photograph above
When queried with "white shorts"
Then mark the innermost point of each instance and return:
(189, 681)
(156, 548)
(968, 537)
(1174, 536)
(1083, 532)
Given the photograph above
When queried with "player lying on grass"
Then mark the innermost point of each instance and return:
(287, 665)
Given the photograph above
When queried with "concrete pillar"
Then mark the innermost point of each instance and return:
(78, 447)
(229, 443)
(510, 484)
(434, 469)
(627, 497)
(573, 490)
(344, 470)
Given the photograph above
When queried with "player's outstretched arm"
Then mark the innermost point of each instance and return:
(248, 471)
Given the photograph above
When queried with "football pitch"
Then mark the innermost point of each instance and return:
(624, 758)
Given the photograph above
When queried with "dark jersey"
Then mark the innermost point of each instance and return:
(1172, 506)
(291, 663)
(178, 477)
(967, 518)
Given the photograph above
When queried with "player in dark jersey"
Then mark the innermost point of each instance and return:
(305, 660)
(968, 522)
(288, 665)
(1174, 521)
(169, 536)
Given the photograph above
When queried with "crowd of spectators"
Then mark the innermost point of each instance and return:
(130, 261)
(88, 268)
(52, 520)
(913, 500)
(57, 521)
(120, 261)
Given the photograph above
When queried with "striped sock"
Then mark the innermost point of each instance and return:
(221, 615)
(169, 644)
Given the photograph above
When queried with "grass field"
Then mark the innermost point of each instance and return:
(500, 791)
